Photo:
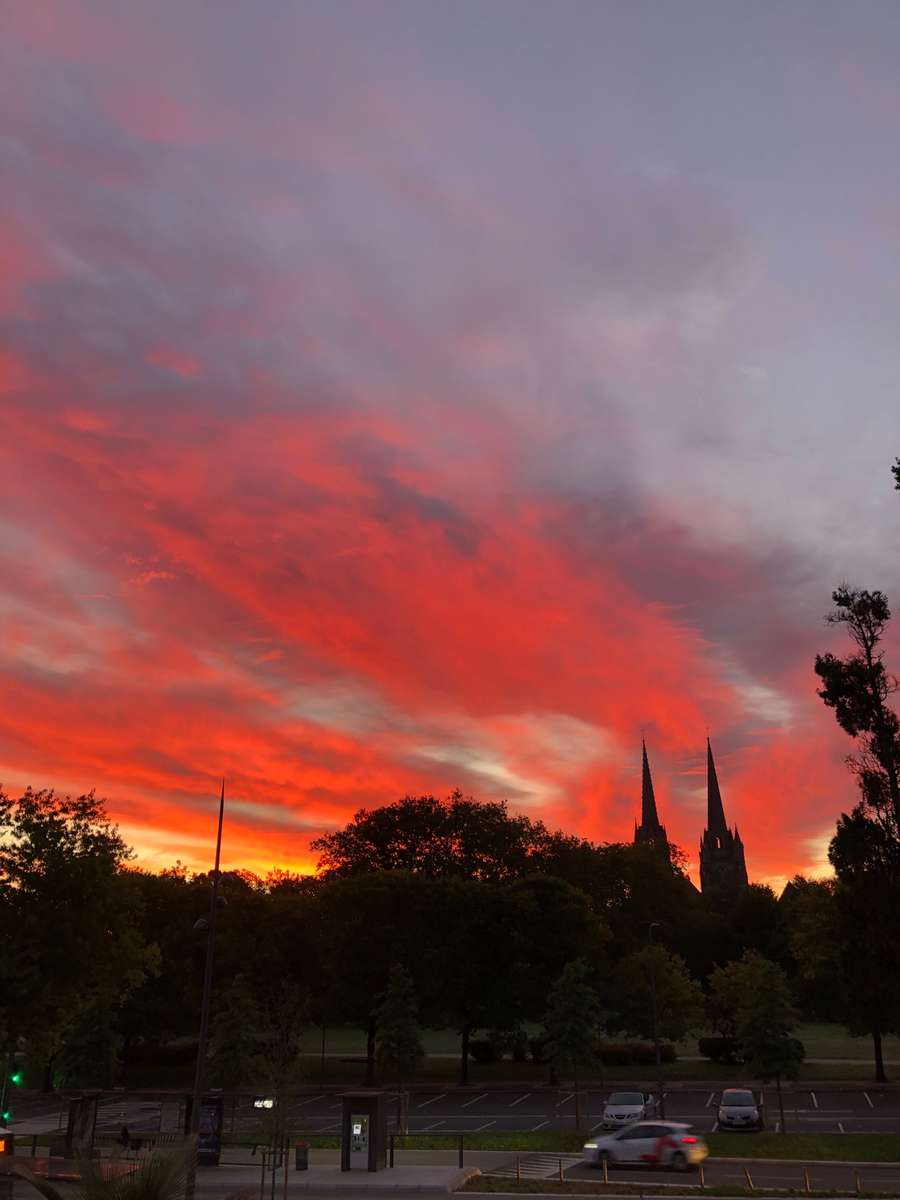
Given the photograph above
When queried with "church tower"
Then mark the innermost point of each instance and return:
(722, 867)
(649, 832)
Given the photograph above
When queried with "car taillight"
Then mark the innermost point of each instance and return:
(689, 1141)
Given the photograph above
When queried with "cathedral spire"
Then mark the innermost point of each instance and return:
(649, 815)
(650, 831)
(715, 813)
(723, 871)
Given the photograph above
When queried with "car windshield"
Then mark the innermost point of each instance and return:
(633, 1099)
(739, 1099)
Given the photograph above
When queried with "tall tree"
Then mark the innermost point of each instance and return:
(400, 1048)
(857, 688)
(765, 1020)
(866, 859)
(652, 985)
(456, 836)
(72, 941)
(572, 1022)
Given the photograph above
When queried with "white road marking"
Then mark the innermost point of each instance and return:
(814, 1100)
(715, 1127)
(475, 1101)
(519, 1100)
(312, 1101)
(777, 1126)
(599, 1125)
(481, 1127)
(425, 1103)
(434, 1126)
(841, 1127)
(338, 1105)
(868, 1100)
(331, 1129)
(565, 1100)
(535, 1128)
(712, 1096)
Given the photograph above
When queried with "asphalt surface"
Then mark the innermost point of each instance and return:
(459, 1110)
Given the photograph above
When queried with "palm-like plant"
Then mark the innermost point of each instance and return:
(156, 1177)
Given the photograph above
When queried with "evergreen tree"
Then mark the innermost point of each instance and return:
(572, 1022)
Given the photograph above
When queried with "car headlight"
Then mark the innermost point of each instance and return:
(590, 1145)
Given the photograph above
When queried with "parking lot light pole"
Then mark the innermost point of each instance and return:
(655, 1018)
(210, 925)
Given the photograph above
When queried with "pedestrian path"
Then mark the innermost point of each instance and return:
(537, 1166)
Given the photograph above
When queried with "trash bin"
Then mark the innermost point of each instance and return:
(301, 1156)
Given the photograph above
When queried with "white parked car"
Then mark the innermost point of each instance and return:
(651, 1143)
(738, 1109)
(624, 1108)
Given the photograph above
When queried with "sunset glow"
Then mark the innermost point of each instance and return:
(401, 397)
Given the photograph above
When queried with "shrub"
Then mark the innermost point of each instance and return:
(483, 1050)
(720, 1049)
(537, 1048)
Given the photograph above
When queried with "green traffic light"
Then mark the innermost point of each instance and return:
(4, 1117)
(16, 1078)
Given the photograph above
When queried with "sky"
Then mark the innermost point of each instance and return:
(405, 396)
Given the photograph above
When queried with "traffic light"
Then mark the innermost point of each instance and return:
(16, 1078)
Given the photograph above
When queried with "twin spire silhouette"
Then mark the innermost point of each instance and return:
(722, 865)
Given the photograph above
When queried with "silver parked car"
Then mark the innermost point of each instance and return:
(624, 1108)
(651, 1143)
(738, 1109)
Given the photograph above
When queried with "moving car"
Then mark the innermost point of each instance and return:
(651, 1143)
(738, 1109)
(624, 1108)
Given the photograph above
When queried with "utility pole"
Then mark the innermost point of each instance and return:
(655, 1016)
(210, 925)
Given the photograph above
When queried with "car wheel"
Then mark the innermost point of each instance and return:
(679, 1162)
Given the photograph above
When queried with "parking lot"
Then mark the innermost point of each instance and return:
(460, 1110)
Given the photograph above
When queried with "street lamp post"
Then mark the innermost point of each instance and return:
(210, 925)
(655, 1018)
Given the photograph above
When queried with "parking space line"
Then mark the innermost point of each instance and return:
(482, 1127)
(868, 1100)
(535, 1128)
(312, 1101)
(715, 1127)
(565, 1100)
(338, 1105)
(475, 1101)
(814, 1100)
(519, 1100)
(425, 1103)
(331, 1129)
(841, 1127)
(777, 1126)
(594, 1128)
(434, 1126)
(712, 1096)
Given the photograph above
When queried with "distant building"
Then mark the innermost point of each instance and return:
(650, 832)
(722, 867)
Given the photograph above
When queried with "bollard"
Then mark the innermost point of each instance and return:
(605, 1170)
(807, 1186)
(562, 1177)
(702, 1175)
(749, 1180)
